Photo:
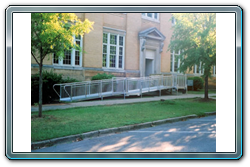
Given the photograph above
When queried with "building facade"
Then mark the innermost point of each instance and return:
(123, 44)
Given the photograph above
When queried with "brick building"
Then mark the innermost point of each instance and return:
(124, 44)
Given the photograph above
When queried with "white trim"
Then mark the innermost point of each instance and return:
(114, 31)
(80, 53)
(108, 48)
(200, 68)
(179, 62)
(195, 66)
(117, 50)
(123, 52)
(73, 53)
(173, 23)
(72, 63)
(173, 61)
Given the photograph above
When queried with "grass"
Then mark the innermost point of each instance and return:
(201, 91)
(59, 123)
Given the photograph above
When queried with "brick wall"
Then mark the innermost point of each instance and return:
(92, 42)
(132, 23)
(165, 28)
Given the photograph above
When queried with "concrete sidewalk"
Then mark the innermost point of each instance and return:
(115, 101)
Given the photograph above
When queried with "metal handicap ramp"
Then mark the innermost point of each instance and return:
(118, 86)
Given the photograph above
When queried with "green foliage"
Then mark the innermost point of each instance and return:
(69, 80)
(198, 82)
(49, 79)
(194, 34)
(102, 76)
(53, 33)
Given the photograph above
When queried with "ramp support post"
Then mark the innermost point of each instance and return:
(71, 93)
(141, 87)
(124, 88)
(101, 90)
(159, 85)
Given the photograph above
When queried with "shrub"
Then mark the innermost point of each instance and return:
(197, 82)
(69, 80)
(49, 79)
(102, 76)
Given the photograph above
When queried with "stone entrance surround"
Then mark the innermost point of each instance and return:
(151, 39)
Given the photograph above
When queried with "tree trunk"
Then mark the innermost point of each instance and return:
(40, 83)
(206, 87)
(40, 88)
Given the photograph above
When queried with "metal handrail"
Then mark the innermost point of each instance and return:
(55, 89)
(119, 85)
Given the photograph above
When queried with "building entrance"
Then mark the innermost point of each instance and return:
(151, 44)
(149, 62)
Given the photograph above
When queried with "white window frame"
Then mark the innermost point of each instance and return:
(73, 51)
(200, 71)
(117, 51)
(145, 16)
(173, 21)
(173, 61)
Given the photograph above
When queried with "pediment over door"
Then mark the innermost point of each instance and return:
(153, 33)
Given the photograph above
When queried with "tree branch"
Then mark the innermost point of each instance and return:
(35, 58)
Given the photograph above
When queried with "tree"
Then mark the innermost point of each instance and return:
(194, 34)
(52, 33)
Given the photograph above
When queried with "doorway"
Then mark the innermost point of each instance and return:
(149, 64)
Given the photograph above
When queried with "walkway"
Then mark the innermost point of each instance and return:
(115, 101)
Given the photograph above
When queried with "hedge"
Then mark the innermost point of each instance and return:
(197, 82)
(102, 76)
(49, 79)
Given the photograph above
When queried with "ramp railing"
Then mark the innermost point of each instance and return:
(117, 86)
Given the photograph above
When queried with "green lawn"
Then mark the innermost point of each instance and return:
(59, 123)
(201, 91)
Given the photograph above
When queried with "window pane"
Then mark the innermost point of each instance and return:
(173, 21)
(77, 58)
(67, 58)
(78, 37)
(104, 60)
(55, 60)
(78, 43)
(120, 56)
(105, 38)
(112, 60)
(144, 14)
(104, 50)
(156, 15)
(113, 39)
(112, 56)
(120, 51)
(176, 52)
(121, 40)
(120, 61)
(150, 15)
(175, 64)
(112, 49)
(171, 62)
(197, 69)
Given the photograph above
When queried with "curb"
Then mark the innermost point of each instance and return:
(79, 137)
